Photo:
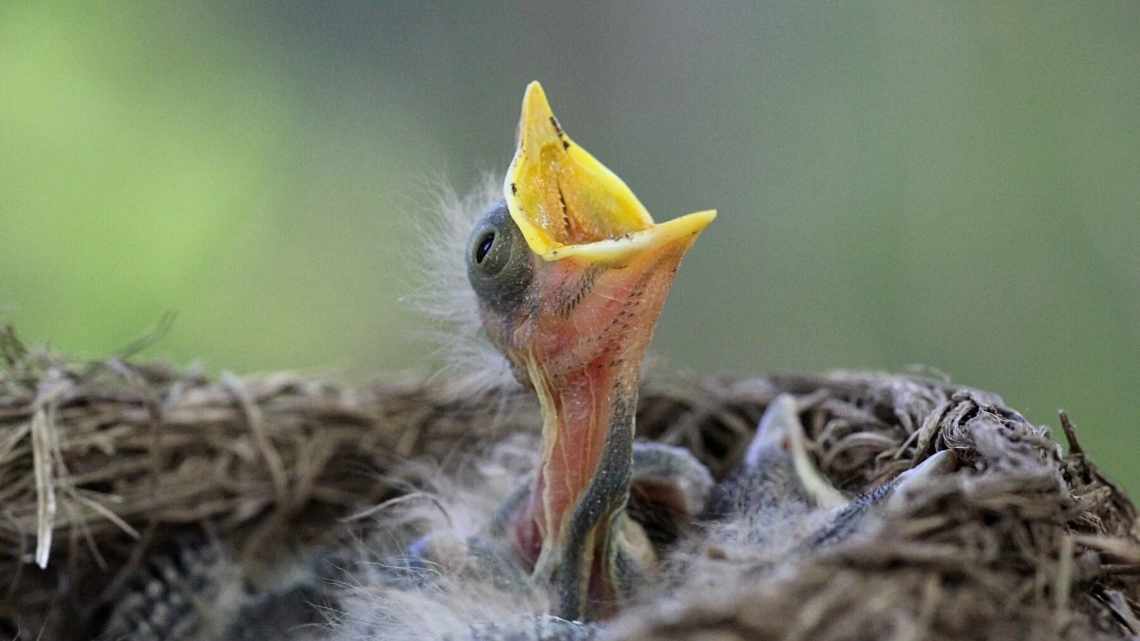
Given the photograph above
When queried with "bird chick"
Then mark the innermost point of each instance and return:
(571, 273)
(778, 507)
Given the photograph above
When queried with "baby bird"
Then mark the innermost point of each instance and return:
(777, 506)
(571, 273)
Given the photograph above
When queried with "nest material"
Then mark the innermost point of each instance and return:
(101, 463)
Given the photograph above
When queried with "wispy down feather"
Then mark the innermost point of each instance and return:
(441, 292)
(460, 593)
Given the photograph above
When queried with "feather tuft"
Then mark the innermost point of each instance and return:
(441, 292)
(465, 583)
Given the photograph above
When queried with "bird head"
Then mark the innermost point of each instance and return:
(571, 272)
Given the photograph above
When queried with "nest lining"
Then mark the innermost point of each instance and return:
(102, 463)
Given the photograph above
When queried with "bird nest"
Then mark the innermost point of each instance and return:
(103, 464)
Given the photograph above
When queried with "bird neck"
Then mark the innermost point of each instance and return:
(582, 485)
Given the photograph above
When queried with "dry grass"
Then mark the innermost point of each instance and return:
(101, 463)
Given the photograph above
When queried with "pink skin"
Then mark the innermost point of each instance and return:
(579, 340)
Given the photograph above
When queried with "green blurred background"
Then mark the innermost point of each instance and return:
(948, 184)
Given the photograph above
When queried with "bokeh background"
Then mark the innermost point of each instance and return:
(954, 185)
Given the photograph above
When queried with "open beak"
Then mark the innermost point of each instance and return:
(566, 203)
(606, 269)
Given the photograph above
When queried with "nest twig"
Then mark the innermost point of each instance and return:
(102, 462)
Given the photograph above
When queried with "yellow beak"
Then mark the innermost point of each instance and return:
(566, 203)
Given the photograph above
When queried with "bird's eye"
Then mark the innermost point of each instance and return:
(484, 245)
(498, 260)
(489, 251)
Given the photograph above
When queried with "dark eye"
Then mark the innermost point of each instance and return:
(498, 260)
(484, 245)
(489, 250)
